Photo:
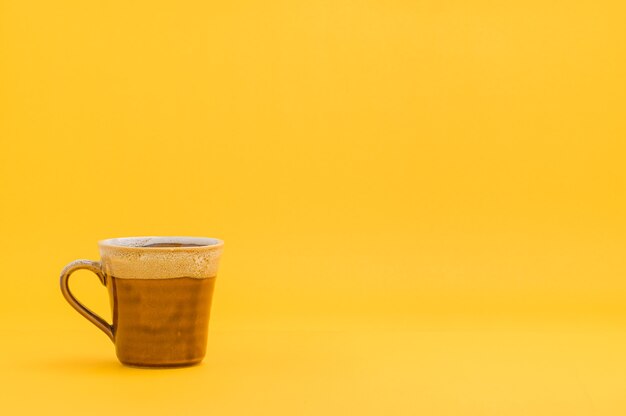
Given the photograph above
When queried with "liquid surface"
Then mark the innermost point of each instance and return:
(173, 245)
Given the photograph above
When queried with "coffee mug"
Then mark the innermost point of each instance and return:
(160, 290)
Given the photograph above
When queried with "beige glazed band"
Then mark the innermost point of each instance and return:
(129, 258)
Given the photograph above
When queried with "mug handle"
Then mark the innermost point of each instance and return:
(95, 267)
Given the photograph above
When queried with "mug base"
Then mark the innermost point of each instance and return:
(161, 365)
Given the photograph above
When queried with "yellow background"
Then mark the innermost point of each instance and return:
(422, 201)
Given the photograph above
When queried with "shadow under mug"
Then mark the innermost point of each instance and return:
(160, 291)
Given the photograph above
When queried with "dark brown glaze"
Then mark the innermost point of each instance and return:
(161, 322)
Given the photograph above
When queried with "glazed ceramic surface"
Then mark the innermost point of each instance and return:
(160, 290)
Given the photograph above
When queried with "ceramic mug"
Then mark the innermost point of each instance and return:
(160, 290)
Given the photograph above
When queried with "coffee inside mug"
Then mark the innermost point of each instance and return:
(168, 242)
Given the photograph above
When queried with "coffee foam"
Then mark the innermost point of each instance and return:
(128, 258)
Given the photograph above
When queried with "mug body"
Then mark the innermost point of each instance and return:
(160, 290)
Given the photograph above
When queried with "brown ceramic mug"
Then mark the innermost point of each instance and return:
(160, 290)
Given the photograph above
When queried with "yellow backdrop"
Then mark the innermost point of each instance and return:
(422, 201)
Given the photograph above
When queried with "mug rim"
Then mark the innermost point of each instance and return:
(138, 243)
